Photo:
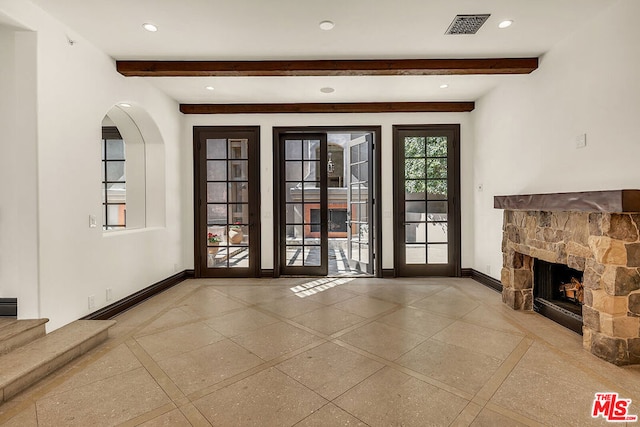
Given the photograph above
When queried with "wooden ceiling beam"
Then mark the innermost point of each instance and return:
(350, 107)
(377, 67)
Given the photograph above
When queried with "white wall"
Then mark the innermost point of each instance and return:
(526, 129)
(268, 121)
(76, 86)
(18, 169)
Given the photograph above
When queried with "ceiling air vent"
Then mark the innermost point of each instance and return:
(467, 24)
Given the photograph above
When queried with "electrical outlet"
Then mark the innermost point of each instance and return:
(109, 294)
(581, 140)
(92, 302)
(93, 223)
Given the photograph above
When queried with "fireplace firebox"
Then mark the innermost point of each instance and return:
(558, 293)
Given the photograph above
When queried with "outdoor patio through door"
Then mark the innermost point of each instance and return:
(324, 196)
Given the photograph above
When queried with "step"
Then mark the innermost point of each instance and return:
(26, 365)
(15, 333)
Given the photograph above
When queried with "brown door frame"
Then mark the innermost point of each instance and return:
(454, 229)
(200, 135)
(376, 179)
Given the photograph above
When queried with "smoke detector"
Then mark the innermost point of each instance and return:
(467, 24)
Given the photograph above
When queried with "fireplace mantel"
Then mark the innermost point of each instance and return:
(618, 201)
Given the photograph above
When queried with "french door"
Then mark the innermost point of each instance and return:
(226, 197)
(360, 204)
(303, 204)
(426, 200)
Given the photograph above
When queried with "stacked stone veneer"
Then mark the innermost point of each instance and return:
(606, 247)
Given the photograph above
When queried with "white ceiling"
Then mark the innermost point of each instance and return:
(288, 30)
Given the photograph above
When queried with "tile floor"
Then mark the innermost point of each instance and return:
(329, 352)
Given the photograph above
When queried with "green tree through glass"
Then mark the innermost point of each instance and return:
(426, 165)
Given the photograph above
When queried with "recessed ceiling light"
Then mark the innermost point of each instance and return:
(327, 90)
(150, 27)
(209, 87)
(444, 86)
(124, 104)
(505, 24)
(327, 25)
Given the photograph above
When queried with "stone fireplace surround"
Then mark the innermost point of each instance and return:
(597, 233)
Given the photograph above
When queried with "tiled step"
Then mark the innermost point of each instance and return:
(15, 333)
(27, 364)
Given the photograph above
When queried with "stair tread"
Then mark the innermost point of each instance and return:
(23, 360)
(9, 328)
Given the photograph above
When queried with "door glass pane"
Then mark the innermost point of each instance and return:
(414, 168)
(293, 150)
(437, 253)
(414, 146)
(238, 192)
(238, 149)
(238, 257)
(437, 232)
(312, 255)
(238, 235)
(238, 214)
(415, 254)
(293, 255)
(216, 192)
(216, 148)
(415, 232)
(294, 213)
(238, 170)
(437, 146)
(293, 191)
(311, 171)
(216, 214)
(216, 170)
(436, 168)
(293, 171)
(437, 189)
(355, 251)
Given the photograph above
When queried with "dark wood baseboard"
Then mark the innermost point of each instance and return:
(266, 272)
(126, 303)
(8, 307)
(388, 272)
(488, 281)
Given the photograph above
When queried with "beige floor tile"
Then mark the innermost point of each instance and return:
(257, 294)
(450, 302)
(107, 402)
(549, 400)
(400, 295)
(489, 418)
(197, 369)
(365, 306)
(330, 415)
(290, 306)
(207, 302)
(240, 322)
(170, 319)
(274, 340)
(170, 419)
(328, 320)
(383, 340)
(268, 398)
(453, 365)
(117, 361)
(391, 398)
(478, 339)
(163, 345)
(494, 318)
(329, 369)
(331, 296)
(417, 321)
(27, 417)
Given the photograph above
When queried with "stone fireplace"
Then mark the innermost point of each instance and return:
(595, 234)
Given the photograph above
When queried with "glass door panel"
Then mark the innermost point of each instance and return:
(426, 190)
(304, 204)
(227, 190)
(360, 202)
